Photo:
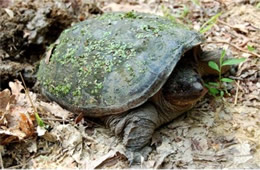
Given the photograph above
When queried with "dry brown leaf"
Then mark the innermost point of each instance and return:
(161, 159)
(55, 109)
(16, 110)
(241, 27)
(125, 7)
(79, 118)
(8, 136)
(106, 160)
(6, 139)
(9, 12)
(5, 98)
(26, 124)
(68, 135)
(16, 87)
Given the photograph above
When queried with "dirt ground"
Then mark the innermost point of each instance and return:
(218, 133)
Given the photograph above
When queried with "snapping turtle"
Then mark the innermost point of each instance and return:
(122, 68)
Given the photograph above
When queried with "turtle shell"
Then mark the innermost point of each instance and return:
(114, 62)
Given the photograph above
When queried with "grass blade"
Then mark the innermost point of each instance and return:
(207, 25)
(39, 120)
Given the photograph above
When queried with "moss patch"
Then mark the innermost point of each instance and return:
(101, 60)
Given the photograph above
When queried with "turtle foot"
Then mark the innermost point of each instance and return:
(138, 156)
(136, 128)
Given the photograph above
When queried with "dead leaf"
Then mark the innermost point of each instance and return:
(68, 135)
(241, 27)
(8, 136)
(79, 118)
(49, 137)
(55, 109)
(16, 87)
(26, 124)
(105, 160)
(18, 123)
(125, 7)
(5, 98)
(161, 159)
(9, 12)
(32, 147)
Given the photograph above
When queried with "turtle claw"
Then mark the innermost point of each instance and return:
(137, 157)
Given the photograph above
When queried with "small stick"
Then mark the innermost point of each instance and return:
(27, 93)
(56, 119)
(241, 49)
(1, 161)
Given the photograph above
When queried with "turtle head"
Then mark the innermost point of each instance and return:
(185, 86)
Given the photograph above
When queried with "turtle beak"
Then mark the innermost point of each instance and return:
(191, 99)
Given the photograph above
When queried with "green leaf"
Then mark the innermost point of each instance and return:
(207, 25)
(258, 5)
(166, 13)
(39, 120)
(213, 65)
(205, 29)
(185, 11)
(213, 91)
(223, 53)
(228, 80)
(233, 61)
(222, 93)
(250, 48)
(216, 84)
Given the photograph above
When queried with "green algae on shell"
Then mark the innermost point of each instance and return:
(114, 62)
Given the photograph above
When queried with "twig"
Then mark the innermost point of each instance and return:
(27, 93)
(241, 49)
(1, 161)
(236, 96)
(56, 119)
(222, 22)
(16, 166)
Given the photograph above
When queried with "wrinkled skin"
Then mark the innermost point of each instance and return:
(135, 71)
(179, 94)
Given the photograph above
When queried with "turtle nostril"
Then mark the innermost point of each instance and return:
(198, 86)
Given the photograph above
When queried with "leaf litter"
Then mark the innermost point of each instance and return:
(215, 134)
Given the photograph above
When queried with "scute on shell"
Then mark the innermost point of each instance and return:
(114, 62)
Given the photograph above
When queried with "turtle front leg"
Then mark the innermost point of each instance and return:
(136, 128)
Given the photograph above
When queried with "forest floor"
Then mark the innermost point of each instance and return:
(218, 133)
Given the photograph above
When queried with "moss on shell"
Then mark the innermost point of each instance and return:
(113, 47)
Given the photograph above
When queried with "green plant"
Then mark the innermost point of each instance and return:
(251, 48)
(182, 13)
(218, 88)
(258, 5)
(166, 13)
(185, 11)
(207, 25)
(37, 117)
